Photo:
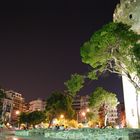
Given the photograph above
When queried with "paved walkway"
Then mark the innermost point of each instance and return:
(25, 138)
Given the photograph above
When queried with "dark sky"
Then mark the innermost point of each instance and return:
(40, 44)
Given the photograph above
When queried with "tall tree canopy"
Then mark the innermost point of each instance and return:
(102, 99)
(74, 84)
(113, 48)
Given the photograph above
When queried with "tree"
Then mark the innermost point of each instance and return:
(36, 117)
(2, 95)
(32, 118)
(92, 115)
(58, 103)
(74, 84)
(102, 99)
(24, 118)
(114, 48)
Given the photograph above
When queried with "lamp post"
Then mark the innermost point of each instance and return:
(84, 113)
(17, 116)
(62, 119)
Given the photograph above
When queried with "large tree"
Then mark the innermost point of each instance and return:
(114, 48)
(103, 100)
(58, 103)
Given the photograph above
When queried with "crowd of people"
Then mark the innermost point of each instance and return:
(59, 127)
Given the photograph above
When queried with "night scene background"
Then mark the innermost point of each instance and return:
(40, 44)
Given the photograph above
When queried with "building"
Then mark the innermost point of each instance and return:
(121, 115)
(80, 102)
(7, 108)
(80, 105)
(127, 11)
(25, 107)
(112, 116)
(18, 104)
(37, 105)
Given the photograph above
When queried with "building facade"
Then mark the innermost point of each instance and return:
(127, 11)
(37, 105)
(18, 103)
(121, 115)
(7, 108)
(80, 105)
(80, 102)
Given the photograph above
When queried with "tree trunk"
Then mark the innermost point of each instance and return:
(34, 126)
(105, 121)
(50, 122)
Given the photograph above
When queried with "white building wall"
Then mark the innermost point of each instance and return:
(130, 103)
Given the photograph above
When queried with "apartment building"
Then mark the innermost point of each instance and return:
(37, 105)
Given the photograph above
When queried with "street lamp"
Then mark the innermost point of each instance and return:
(88, 109)
(62, 119)
(83, 114)
(17, 112)
(61, 116)
(17, 116)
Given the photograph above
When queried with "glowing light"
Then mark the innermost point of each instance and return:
(88, 109)
(15, 138)
(17, 112)
(8, 124)
(61, 116)
(55, 121)
(83, 114)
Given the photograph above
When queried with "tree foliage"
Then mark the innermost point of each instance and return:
(36, 117)
(74, 84)
(24, 118)
(113, 48)
(32, 118)
(2, 95)
(59, 103)
(102, 99)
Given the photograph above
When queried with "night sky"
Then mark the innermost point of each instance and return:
(40, 44)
